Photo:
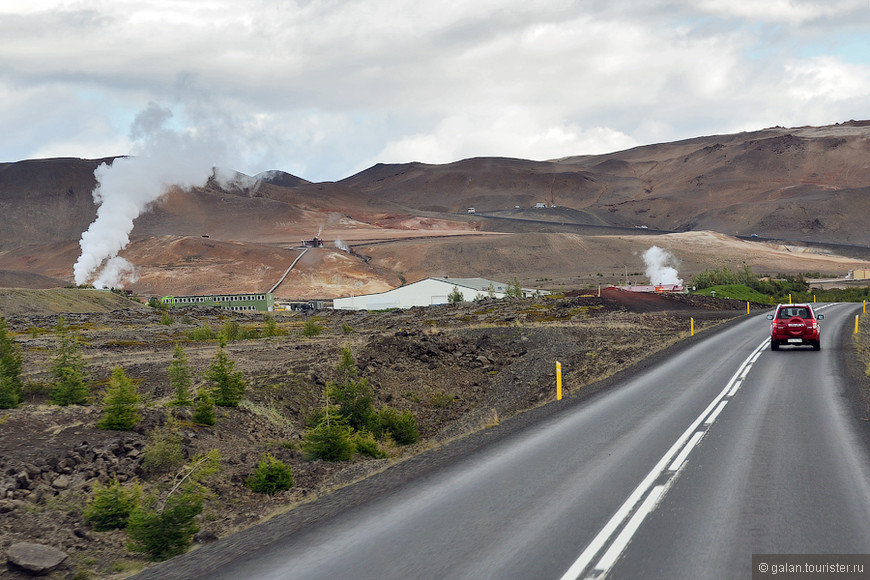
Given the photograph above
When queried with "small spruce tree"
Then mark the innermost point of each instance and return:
(111, 505)
(10, 369)
(271, 476)
(330, 440)
(228, 386)
(68, 369)
(203, 410)
(455, 296)
(179, 377)
(165, 528)
(120, 403)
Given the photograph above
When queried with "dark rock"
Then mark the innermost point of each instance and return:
(37, 559)
(205, 537)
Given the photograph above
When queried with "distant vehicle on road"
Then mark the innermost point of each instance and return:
(795, 325)
(754, 236)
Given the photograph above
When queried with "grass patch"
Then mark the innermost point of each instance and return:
(735, 292)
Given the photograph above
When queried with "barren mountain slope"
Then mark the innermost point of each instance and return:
(547, 260)
(803, 183)
(800, 184)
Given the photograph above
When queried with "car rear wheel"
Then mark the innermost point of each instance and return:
(774, 344)
(817, 345)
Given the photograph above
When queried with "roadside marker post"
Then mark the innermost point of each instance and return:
(856, 324)
(747, 307)
(558, 381)
(789, 298)
(865, 307)
(692, 326)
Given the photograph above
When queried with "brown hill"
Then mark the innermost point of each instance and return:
(793, 188)
(806, 183)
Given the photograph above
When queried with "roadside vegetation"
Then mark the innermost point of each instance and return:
(744, 284)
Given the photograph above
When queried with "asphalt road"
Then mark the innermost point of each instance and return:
(723, 450)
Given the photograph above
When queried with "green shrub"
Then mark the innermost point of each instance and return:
(202, 332)
(455, 296)
(270, 327)
(231, 330)
(165, 451)
(166, 319)
(10, 369)
(68, 369)
(271, 476)
(365, 444)
(203, 410)
(179, 377)
(10, 395)
(330, 441)
(111, 505)
(402, 427)
(354, 402)
(120, 403)
(442, 400)
(228, 386)
(167, 531)
(311, 328)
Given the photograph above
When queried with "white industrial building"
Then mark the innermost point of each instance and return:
(428, 292)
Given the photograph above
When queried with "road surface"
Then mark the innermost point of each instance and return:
(724, 450)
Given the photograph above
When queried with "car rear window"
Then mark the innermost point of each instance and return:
(789, 312)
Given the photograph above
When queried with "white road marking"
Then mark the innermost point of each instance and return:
(609, 558)
(648, 491)
(678, 462)
(715, 413)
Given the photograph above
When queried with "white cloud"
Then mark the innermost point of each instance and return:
(328, 86)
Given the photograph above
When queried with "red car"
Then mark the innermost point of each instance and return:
(796, 325)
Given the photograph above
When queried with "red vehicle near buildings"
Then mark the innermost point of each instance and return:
(795, 325)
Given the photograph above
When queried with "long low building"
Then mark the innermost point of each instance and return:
(429, 292)
(260, 302)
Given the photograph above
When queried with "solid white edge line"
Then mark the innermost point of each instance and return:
(686, 450)
(600, 540)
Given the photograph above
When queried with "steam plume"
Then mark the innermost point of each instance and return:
(162, 158)
(660, 266)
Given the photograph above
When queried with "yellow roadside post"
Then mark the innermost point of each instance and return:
(747, 307)
(856, 324)
(599, 290)
(865, 307)
(558, 381)
(789, 298)
(814, 298)
(692, 326)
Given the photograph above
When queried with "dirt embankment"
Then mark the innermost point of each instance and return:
(457, 368)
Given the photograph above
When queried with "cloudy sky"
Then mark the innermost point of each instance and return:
(326, 88)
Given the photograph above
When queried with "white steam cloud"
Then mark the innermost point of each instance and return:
(162, 158)
(342, 246)
(661, 266)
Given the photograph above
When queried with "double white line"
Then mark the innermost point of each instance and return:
(601, 554)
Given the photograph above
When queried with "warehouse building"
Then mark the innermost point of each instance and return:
(261, 302)
(428, 292)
